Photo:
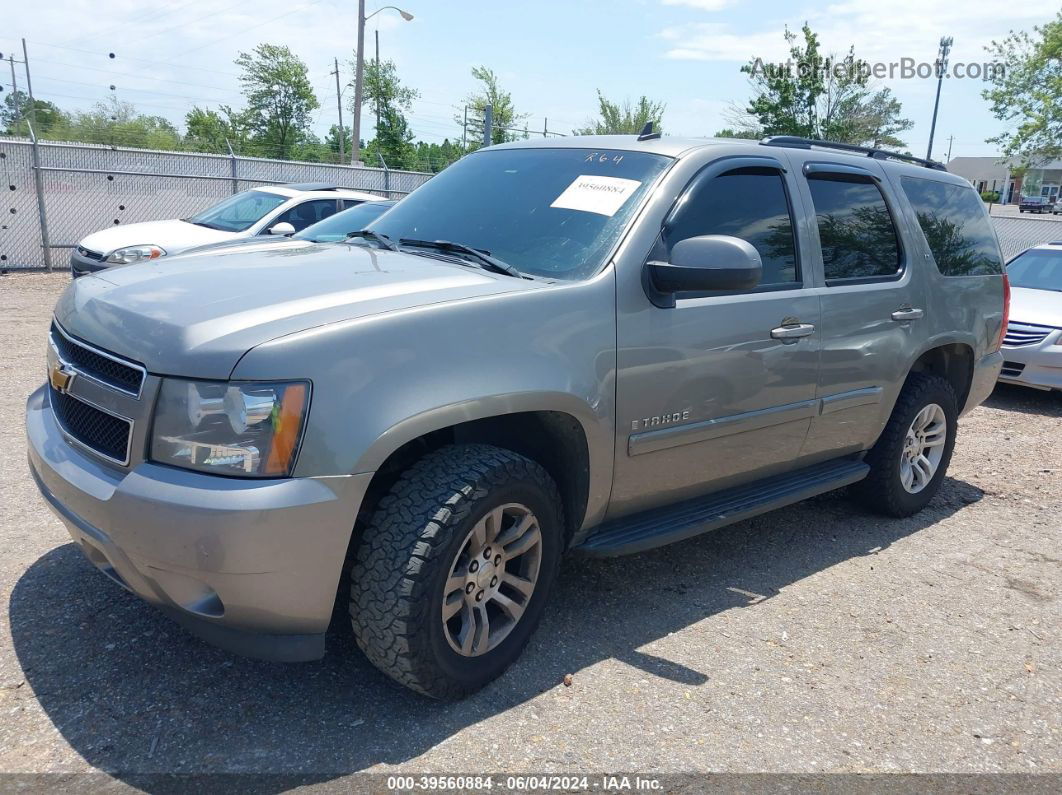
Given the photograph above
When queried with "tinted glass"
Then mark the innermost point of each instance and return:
(239, 212)
(855, 228)
(956, 226)
(1038, 268)
(749, 203)
(549, 212)
(343, 223)
(303, 215)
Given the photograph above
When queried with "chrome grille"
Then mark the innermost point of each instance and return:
(1025, 334)
(127, 377)
(90, 254)
(97, 430)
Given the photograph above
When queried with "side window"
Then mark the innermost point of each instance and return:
(750, 203)
(302, 215)
(346, 204)
(856, 230)
(956, 227)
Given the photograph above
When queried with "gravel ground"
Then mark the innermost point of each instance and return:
(818, 638)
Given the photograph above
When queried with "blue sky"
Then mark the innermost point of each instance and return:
(551, 55)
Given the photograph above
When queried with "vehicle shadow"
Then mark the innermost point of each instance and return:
(1011, 397)
(136, 696)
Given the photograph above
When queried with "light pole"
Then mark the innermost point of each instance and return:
(359, 73)
(942, 65)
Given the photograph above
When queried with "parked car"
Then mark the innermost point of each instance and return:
(273, 209)
(1035, 204)
(333, 229)
(1032, 347)
(589, 345)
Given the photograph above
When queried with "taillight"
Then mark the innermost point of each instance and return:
(1006, 311)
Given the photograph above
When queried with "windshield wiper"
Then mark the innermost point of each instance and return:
(375, 237)
(482, 257)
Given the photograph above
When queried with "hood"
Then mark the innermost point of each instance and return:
(245, 244)
(173, 235)
(196, 316)
(1039, 307)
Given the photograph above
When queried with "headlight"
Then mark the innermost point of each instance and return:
(130, 254)
(249, 429)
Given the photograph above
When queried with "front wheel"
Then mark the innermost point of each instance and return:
(455, 567)
(910, 458)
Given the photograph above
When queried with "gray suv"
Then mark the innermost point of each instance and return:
(594, 345)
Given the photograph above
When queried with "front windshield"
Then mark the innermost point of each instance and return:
(1037, 268)
(239, 212)
(555, 213)
(338, 226)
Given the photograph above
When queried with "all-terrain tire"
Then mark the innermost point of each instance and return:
(404, 556)
(882, 490)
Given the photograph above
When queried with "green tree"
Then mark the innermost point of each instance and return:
(626, 119)
(1027, 93)
(817, 96)
(505, 119)
(388, 102)
(279, 99)
(17, 109)
(213, 130)
(731, 132)
(119, 124)
(332, 142)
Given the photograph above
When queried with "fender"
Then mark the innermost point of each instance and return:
(597, 430)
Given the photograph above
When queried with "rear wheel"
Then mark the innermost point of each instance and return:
(909, 461)
(455, 567)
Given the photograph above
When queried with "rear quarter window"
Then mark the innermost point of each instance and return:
(956, 227)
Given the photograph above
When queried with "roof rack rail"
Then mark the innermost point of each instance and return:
(797, 142)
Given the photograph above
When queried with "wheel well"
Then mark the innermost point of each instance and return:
(954, 363)
(551, 438)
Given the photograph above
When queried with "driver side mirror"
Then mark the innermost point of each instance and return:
(707, 263)
(283, 228)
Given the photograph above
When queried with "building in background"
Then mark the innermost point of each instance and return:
(991, 174)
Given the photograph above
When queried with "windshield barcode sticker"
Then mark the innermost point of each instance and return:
(594, 194)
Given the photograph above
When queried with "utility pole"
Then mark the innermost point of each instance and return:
(951, 139)
(359, 74)
(14, 83)
(377, 77)
(339, 107)
(359, 71)
(942, 65)
(488, 123)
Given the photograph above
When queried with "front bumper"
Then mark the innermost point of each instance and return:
(81, 265)
(252, 566)
(1038, 365)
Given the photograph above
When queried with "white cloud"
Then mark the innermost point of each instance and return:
(703, 5)
(905, 28)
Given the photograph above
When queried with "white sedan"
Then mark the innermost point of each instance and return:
(272, 209)
(1032, 347)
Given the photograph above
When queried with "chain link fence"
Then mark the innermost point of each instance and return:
(87, 187)
(1017, 234)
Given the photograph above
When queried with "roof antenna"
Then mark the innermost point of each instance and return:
(647, 133)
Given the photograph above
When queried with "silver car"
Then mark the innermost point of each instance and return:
(1032, 348)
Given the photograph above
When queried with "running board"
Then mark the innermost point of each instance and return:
(672, 523)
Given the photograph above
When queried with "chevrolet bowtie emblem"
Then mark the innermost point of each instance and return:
(60, 377)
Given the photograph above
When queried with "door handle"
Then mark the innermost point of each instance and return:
(792, 333)
(907, 313)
